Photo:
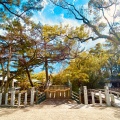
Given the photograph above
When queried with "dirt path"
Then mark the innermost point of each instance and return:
(60, 110)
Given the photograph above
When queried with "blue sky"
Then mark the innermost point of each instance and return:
(53, 15)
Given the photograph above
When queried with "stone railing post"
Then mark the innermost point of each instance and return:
(107, 96)
(32, 96)
(0, 98)
(19, 99)
(85, 95)
(112, 100)
(12, 97)
(93, 98)
(80, 100)
(100, 98)
(6, 99)
(25, 100)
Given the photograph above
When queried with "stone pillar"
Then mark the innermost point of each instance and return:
(6, 99)
(100, 98)
(19, 99)
(93, 98)
(80, 100)
(107, 96)
(32, 96)
(85, 95)
(112, 100)
(12, 97)
(0, 98)
(25, 100)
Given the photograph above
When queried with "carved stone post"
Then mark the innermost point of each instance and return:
(32, 96)
(112, 100)
(0, 98)
(107, 96)
(93, 98)
(100, 98)
(19, 99)
(6, 99)
(12, 97)
(25, 100)
(85, 95)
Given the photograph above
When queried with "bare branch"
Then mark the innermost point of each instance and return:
(9, 9)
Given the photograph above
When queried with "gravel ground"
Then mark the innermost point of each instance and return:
(60, 110)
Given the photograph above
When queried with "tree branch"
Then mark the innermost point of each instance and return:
(87, 22)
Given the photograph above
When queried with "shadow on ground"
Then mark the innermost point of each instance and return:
(58, 104)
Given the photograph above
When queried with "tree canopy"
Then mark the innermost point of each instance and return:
(18, 8)
(102, 17)
(26, 44)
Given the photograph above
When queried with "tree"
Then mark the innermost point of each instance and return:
(21, 50)
(12, 9)
(18, 8)
(52, 46)
(87, 69)
(96, 17)
(56, 45)
(112, 65)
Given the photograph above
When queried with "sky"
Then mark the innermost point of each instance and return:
(53, 15)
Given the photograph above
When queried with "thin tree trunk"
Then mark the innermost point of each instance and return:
(3, 76)
(8, 70)
(46, 71)
(29, 77)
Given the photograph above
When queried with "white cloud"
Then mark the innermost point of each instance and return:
(70, 22)
(2, 32)
(91, 43)
(110, 14)
(55, 20)
(44, 3)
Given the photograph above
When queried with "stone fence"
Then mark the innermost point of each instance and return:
(14, 98)
(103, 96)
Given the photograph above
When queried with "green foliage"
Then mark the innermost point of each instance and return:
(86, 69)
(24, 85)
(39, 76)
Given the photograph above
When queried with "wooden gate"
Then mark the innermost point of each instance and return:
(57, 92)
